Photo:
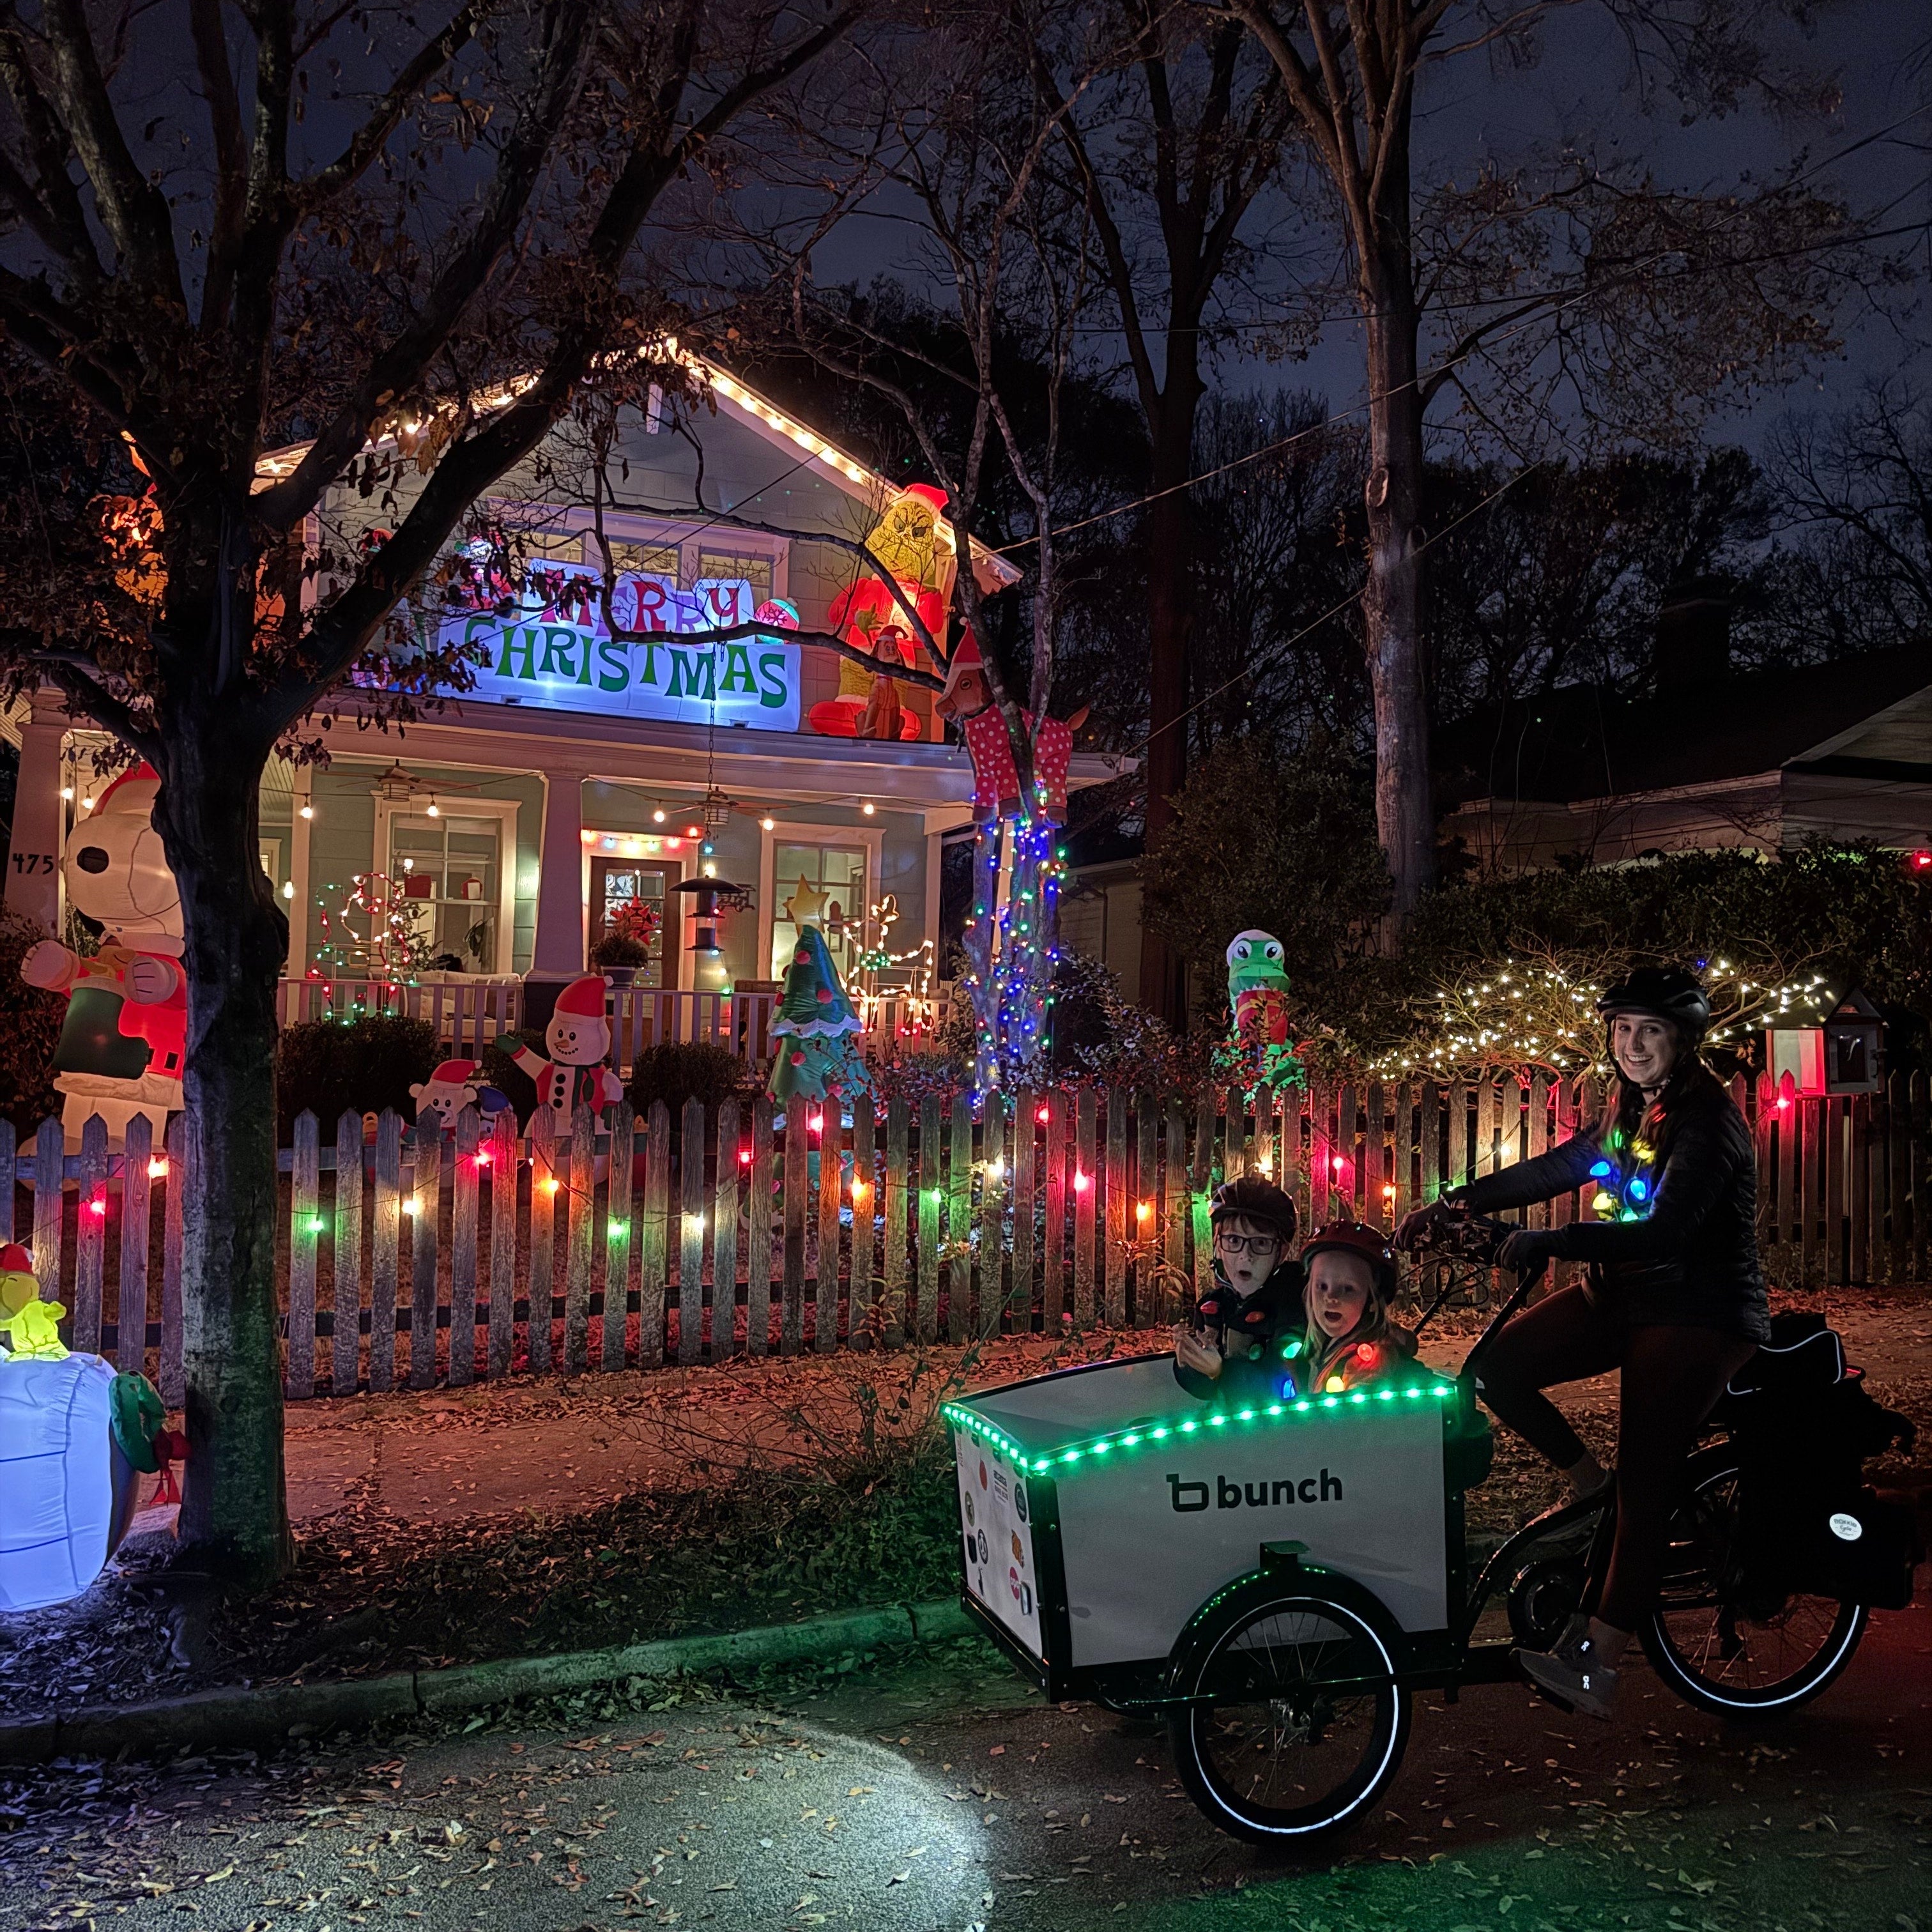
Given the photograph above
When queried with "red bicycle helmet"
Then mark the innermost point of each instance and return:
(1355, 1237)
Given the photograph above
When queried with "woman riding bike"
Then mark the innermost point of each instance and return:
(1675, 1299)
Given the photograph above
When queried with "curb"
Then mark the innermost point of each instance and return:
(248, 1717)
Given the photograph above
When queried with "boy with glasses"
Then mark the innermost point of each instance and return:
(1231, 1349)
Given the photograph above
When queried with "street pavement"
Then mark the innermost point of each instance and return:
(937, 1794)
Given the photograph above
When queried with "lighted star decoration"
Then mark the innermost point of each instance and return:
(806, 906)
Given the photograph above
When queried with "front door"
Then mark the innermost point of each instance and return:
(614, 882)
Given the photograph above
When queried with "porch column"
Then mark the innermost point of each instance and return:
(557, 957)
(33, 873)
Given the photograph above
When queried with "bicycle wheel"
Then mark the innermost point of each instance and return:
(1723, 1647)
(1302, 1721)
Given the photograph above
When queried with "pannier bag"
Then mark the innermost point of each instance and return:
(1804, 1427)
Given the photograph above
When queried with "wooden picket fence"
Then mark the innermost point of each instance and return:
(413, 1260)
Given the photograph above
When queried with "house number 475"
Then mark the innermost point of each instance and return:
(27, 863)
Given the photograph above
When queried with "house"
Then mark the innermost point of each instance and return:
(1705, 758)
(497, 837)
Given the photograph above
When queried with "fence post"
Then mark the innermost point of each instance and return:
(1174, 1195)
(862, 1327)
(725, 1236)
(465, 1195)
(304, 1239)
(1898, 1139)
(691, 1234)
(620, 1249)
(544, 1185)
(581, 1229)
(385, 1251)
(1084, 1166)
(959, 1223)
(831, 1187)
(1143, 1223)
(1026, 1145)
(1812, 1199)
(50, 1172)
(345, 1300)
(426, 1192)
(654, 1248)
(797, 1175)
(1119, 1217)
(930, 1195)
(758, 1233)
(503, 1166)
(173, 1376)
(1200, 1180)
(897, 1181)
(1053, 1278)
(131, 1310)
(90, 1236)
(995, 1186)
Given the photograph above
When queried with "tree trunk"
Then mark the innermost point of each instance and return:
(1170, 625)
(1392, 602)
(234, 1517)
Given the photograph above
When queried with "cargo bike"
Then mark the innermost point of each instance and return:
(1276, 1580)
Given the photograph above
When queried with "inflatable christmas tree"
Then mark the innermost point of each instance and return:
(814, 1056)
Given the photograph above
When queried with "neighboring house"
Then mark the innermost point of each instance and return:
(1100, 908)
(506, 829)
(1840, 751)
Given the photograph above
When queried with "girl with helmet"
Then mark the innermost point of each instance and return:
(1675, 1298)
(1232, 1348)
(1349, 1338)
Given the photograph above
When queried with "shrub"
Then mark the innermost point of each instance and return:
(675, 1071)
(370, 1064)
(30, 1024)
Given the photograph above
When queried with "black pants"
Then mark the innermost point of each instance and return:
(1671, 1378)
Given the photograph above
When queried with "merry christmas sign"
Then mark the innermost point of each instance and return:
(557, 653)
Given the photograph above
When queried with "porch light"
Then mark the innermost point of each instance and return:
(768, 824)
(658, 816)
(868, 808)
(307, 812)
(66, 791)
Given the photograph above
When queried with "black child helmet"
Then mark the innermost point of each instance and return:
(1671, 993)
(1254, 1198)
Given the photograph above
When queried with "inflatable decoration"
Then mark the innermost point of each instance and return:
(968, 696)
(907, 542)
(125, 1034)
(75, 1440)
(814, 1057)
(450, 1088)
(1257, 993)
(579, 1039)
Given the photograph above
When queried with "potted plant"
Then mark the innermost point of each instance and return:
(626, 942)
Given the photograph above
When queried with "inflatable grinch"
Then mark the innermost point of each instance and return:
(1257, 995)
(75, 1440)
(125, 1035)
(907, 544)
(814, 1057)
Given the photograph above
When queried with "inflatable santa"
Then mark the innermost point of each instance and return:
(125, 1035)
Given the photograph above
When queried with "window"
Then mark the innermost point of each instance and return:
(834, 901)
(755, 570)
(448, 870)
(652, 560)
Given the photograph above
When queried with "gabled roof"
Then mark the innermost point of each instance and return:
(1584, 741)
(738, 400)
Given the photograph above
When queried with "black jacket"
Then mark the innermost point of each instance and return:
(1269, 1317)
(1691, 1260)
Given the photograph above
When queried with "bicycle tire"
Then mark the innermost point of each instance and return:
(1816, 1637)
(1369, 1728)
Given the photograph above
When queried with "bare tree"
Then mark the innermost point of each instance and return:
(410, 247)
(1572, 285)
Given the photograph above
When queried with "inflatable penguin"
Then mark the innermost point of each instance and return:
(125, 1035)
(75, 1440)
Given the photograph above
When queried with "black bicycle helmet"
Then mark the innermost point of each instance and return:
(1255, 1198)
(1670, 993)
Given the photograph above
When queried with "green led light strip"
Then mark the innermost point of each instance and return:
(976, 1424)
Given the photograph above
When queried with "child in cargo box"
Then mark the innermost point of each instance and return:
(1349, 1338)
(1231, 1349)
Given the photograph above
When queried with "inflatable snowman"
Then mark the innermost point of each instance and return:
(75, 1441)
(125, 1034)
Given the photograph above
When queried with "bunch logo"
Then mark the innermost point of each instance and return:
(1846, 1529)
(1186, 1498)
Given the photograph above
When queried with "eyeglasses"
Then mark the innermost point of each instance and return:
(1246, 1244)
